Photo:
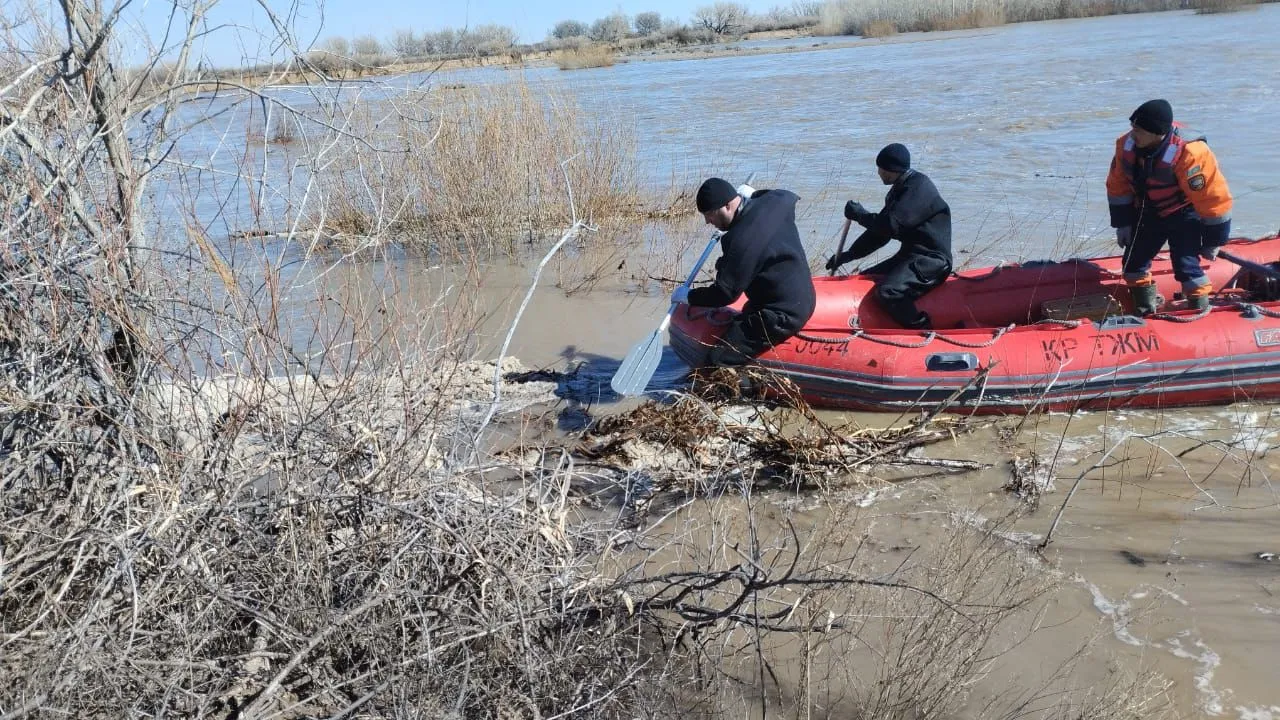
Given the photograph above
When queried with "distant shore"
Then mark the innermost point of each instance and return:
(812, 37)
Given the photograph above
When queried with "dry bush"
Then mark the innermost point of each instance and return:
(1207, 7)
(482, 172)
(978, 18)
(298, 536)
(815, 622)
(208, 511)
(878, 28)
(284, 133)
(590, 56)
(850, 17)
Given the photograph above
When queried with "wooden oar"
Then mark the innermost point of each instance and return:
(844, 235)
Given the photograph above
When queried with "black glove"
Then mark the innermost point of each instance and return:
(836, 261)
(854, 211)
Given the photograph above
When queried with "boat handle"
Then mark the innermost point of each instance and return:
(1119, 322)
(951, 361)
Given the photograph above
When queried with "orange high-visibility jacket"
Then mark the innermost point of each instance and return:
(1185, 172)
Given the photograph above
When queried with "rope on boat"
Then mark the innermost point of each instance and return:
(987, 343)
(928, 338)
(829, 341)
(1252, 310)
(1183, 319)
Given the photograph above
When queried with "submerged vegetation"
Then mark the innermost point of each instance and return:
(588, 56)
(484, 169)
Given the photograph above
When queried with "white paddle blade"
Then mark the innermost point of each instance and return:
(638, 366)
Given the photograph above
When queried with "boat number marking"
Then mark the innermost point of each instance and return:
(1267, 337)
(816, 348)
(1125, 343)
(1059, 350)
(1133, 341)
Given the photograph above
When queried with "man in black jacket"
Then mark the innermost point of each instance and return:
(915, 214)
(761, 256)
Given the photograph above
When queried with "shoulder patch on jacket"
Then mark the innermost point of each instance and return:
(1196, 183)
(1195, 170)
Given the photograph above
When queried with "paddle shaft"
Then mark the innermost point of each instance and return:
(844, 235)
(1250, 265)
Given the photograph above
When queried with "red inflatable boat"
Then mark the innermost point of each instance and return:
(1035, 336)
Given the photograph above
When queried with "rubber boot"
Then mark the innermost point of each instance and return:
(1146, 299)
(1197, 297)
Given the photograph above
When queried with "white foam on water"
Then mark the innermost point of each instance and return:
(1172, 596)
(1068, 450)
(1211, 699)
(1254, 432)
(1259, 713)
(1266, 610)
(1188, 422)
(981, 522)
(1208, 660)
(1118, 612)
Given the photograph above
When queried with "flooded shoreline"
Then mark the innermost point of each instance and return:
(353, 518)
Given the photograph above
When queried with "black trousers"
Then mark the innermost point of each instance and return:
(905, 279)
(750, 334)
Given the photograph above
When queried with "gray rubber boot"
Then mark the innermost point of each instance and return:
(1146, 299)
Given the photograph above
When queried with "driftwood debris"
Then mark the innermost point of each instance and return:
(746, 428)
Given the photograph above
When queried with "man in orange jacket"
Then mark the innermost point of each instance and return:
(1165, 186)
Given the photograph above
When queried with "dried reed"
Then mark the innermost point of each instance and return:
(863, 17)
(482, 174)
(591, 56)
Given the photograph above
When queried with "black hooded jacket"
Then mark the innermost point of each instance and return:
(761, 256)
(915, 214)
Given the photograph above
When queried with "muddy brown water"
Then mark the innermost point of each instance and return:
(1168, 547)
(1168, 543)
(1161, 560)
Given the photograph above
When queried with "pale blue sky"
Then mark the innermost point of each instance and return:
(242, 36)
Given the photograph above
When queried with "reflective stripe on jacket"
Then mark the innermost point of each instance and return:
(1181, 172)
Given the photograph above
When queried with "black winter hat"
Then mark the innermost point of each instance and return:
(1154, 116)
(894, 158)
(714, 194)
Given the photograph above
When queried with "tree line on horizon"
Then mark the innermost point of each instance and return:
(706, 23)
(620, 32)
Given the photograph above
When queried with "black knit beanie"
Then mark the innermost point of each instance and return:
(714, 194)
(894, 158)
(1154, 116)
